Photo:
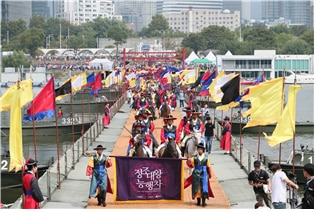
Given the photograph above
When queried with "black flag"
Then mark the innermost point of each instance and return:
(66, 88)
(230, 90)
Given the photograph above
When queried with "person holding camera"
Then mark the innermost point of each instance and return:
(279, 181)
(258, 179)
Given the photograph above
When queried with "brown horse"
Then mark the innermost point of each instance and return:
(169, 150)
(138, 147)
(165, 110)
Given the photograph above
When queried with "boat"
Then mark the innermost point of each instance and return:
(14, 179)
(302, 157)
(300, 127)
(47, 127)
(301, 78)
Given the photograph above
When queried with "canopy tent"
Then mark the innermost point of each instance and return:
(228, 53)
(104, 64)
(201, 61)
(210, 56)
(191, 57)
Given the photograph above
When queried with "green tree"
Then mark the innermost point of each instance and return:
(16, 27)
(295, 46)
(280, 28)
(158, 26)
(195, 41)
(280, 40)
(15, 60)
(119, 33)
(75, 42)
(262, 38)
(216, 35)
(30, 40)
(308, 37)
(37, 21)
(298, 30)
(101, 27)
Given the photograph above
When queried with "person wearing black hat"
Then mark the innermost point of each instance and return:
(142, 103)
(308, 200)
(146, 139)
(257, 178)
(226, 135)
(200, 176)
(97, 172)
(139, 119)
(32, 193)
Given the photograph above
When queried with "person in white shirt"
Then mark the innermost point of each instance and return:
(278, 188)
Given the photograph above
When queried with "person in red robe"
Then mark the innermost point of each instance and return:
(226, 135)
(106, 116)
(32, 193)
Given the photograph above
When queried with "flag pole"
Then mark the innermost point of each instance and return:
(293, 159)
(34, 137)
(231, 127)
(58, 150)
(82, 122)
(259, 142)
(90, 133)
(73, 146)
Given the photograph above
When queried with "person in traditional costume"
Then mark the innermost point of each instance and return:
(139, 119)
(200, 176)
(142, 103)
(149, 123)
(226, 135)
(173, 101)
(135, 99)
(60, 112)
(191, 98)
(97, 172)
(31, 190)
(194, 127)
(146, 139)
(106, 116)
(169, 130)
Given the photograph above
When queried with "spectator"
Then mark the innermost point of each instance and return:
(181, 98)
(210, 134)
(205, 113)
(279, 181)
(257, 178)
(308, 200)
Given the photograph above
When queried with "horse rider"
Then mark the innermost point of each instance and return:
(135, 99)
(142, 103)
(173, 101)
(146, 139)
(182, 124)
(169, 130)
(149, 123)
(194, 127)
(151, 107)
(139, 119)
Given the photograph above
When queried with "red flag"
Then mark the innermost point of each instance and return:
(96, 87)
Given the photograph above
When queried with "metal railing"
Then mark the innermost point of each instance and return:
(51, 180)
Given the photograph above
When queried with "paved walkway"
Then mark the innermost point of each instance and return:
(229, 181)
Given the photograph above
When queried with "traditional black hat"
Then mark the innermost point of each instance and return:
(100, 147)
(32, 162)
(227, 118)
(187, 109)
(169, 117)
(200, 145)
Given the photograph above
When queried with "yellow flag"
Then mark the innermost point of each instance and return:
(267, 101)
(15, 139)
(27, 95)
(285, 128)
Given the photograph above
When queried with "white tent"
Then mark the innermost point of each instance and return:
(103, 64)
(210, 56)
(191, 57)
(228, 53)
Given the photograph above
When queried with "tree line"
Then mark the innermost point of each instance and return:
(41, 33)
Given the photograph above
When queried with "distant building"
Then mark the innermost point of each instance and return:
(14, 10)
(137, 12)
(46, 8)
(81, 11)
(194, 20)
(267, 62)
(170, 6)
(299, 12)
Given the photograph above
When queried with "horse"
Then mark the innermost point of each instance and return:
(165, 110)
(138, 149)
(157, 101)
(190, 148)
(169, 150)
